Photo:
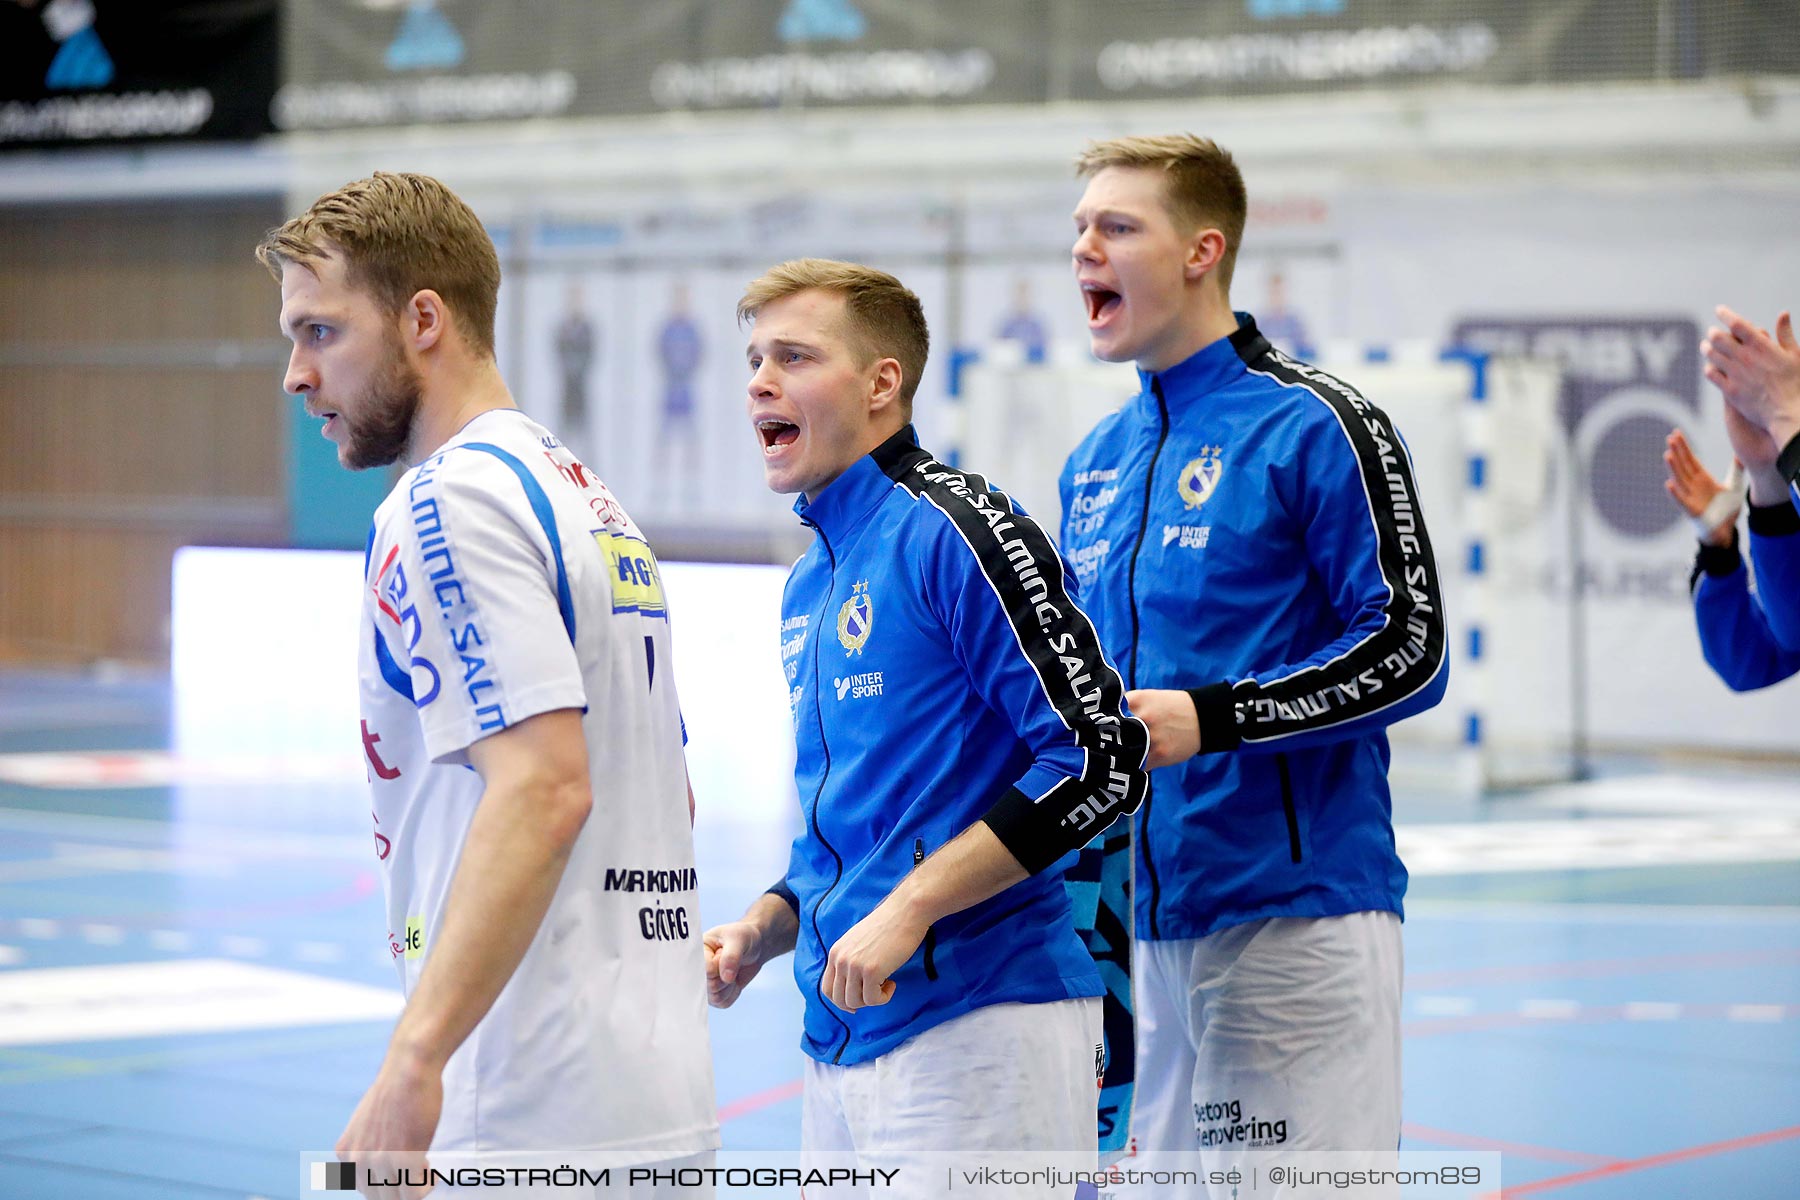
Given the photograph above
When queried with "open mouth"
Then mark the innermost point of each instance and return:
(1101, 303)
(776, 433)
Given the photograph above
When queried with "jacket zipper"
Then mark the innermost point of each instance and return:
(1162, 436)
(819, 833)
(1287, 807)
(930, 930)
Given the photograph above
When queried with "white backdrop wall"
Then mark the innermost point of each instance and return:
(1614, 278)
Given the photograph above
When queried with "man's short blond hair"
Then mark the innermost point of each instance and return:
(885, 319)
(399, 235)
(1204, 189)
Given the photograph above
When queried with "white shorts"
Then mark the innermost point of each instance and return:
(1278, 1035)
(1005, 1077)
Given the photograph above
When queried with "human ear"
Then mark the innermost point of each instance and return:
(425, 319)
(1205, 252)
(884, 385)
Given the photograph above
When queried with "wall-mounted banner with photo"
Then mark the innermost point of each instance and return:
(1627, 381)
(355, 63)
(77, 72)
(618, 330)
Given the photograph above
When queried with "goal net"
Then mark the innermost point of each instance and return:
(1487, 450)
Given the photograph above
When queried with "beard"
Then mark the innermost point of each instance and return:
(381, 431)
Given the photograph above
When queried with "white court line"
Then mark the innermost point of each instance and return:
(64, 864)
(1596, 843)
(1670, 793)
(1622, 914)
(11, 956)
(193, 995)
(319, 952)
(102, 935)
(1633, 1010)
(1651, 1010)
(239, 946)
(88, 770)
(40, 928)
(174, 940)
(1549, 1010)
(192, 837)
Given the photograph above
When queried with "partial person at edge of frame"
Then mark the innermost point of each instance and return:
(1758, 373)
(1738, 638)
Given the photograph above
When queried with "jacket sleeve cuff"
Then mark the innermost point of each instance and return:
(786, 893)
(1019, 824)
(1218, 717)
(1788, 461)
(1719, 561)
(1774, 520)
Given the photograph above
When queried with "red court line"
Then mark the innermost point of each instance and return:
(1591, 968)
(1654, 1160)
(743, 1106)
(1474, 1141)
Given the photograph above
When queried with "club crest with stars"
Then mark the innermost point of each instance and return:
(855, 619)
(1201, 476)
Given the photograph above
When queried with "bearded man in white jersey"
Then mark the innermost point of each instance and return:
(520, 723)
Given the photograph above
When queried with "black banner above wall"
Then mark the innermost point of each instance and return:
(77, 72)
(362, 62)
(82, 71)
(385, 62)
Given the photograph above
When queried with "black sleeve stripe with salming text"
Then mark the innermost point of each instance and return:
(1408, 651)
(1021, 565)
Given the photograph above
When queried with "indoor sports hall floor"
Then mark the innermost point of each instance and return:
(1603, 981)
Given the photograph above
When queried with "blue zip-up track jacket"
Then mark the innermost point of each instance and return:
(1247, 529)
(941, 674)
(1740, 629)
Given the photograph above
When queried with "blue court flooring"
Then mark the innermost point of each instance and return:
(1619, 1020)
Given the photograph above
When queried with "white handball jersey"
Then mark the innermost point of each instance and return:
(503, 581)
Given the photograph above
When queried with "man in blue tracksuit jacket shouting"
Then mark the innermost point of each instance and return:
(959, 733)
(1247, 534)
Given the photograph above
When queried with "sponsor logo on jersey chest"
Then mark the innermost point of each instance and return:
(1200, 476)
(855, 687)
(633, 573)
(1187, 537)
(856, 618)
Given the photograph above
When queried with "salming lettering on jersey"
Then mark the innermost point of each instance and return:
(942, 674)
(505, 581)
(1248, 529)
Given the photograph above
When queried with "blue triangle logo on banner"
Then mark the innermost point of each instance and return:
(81, 62)
(821, 21)
(426, 39)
